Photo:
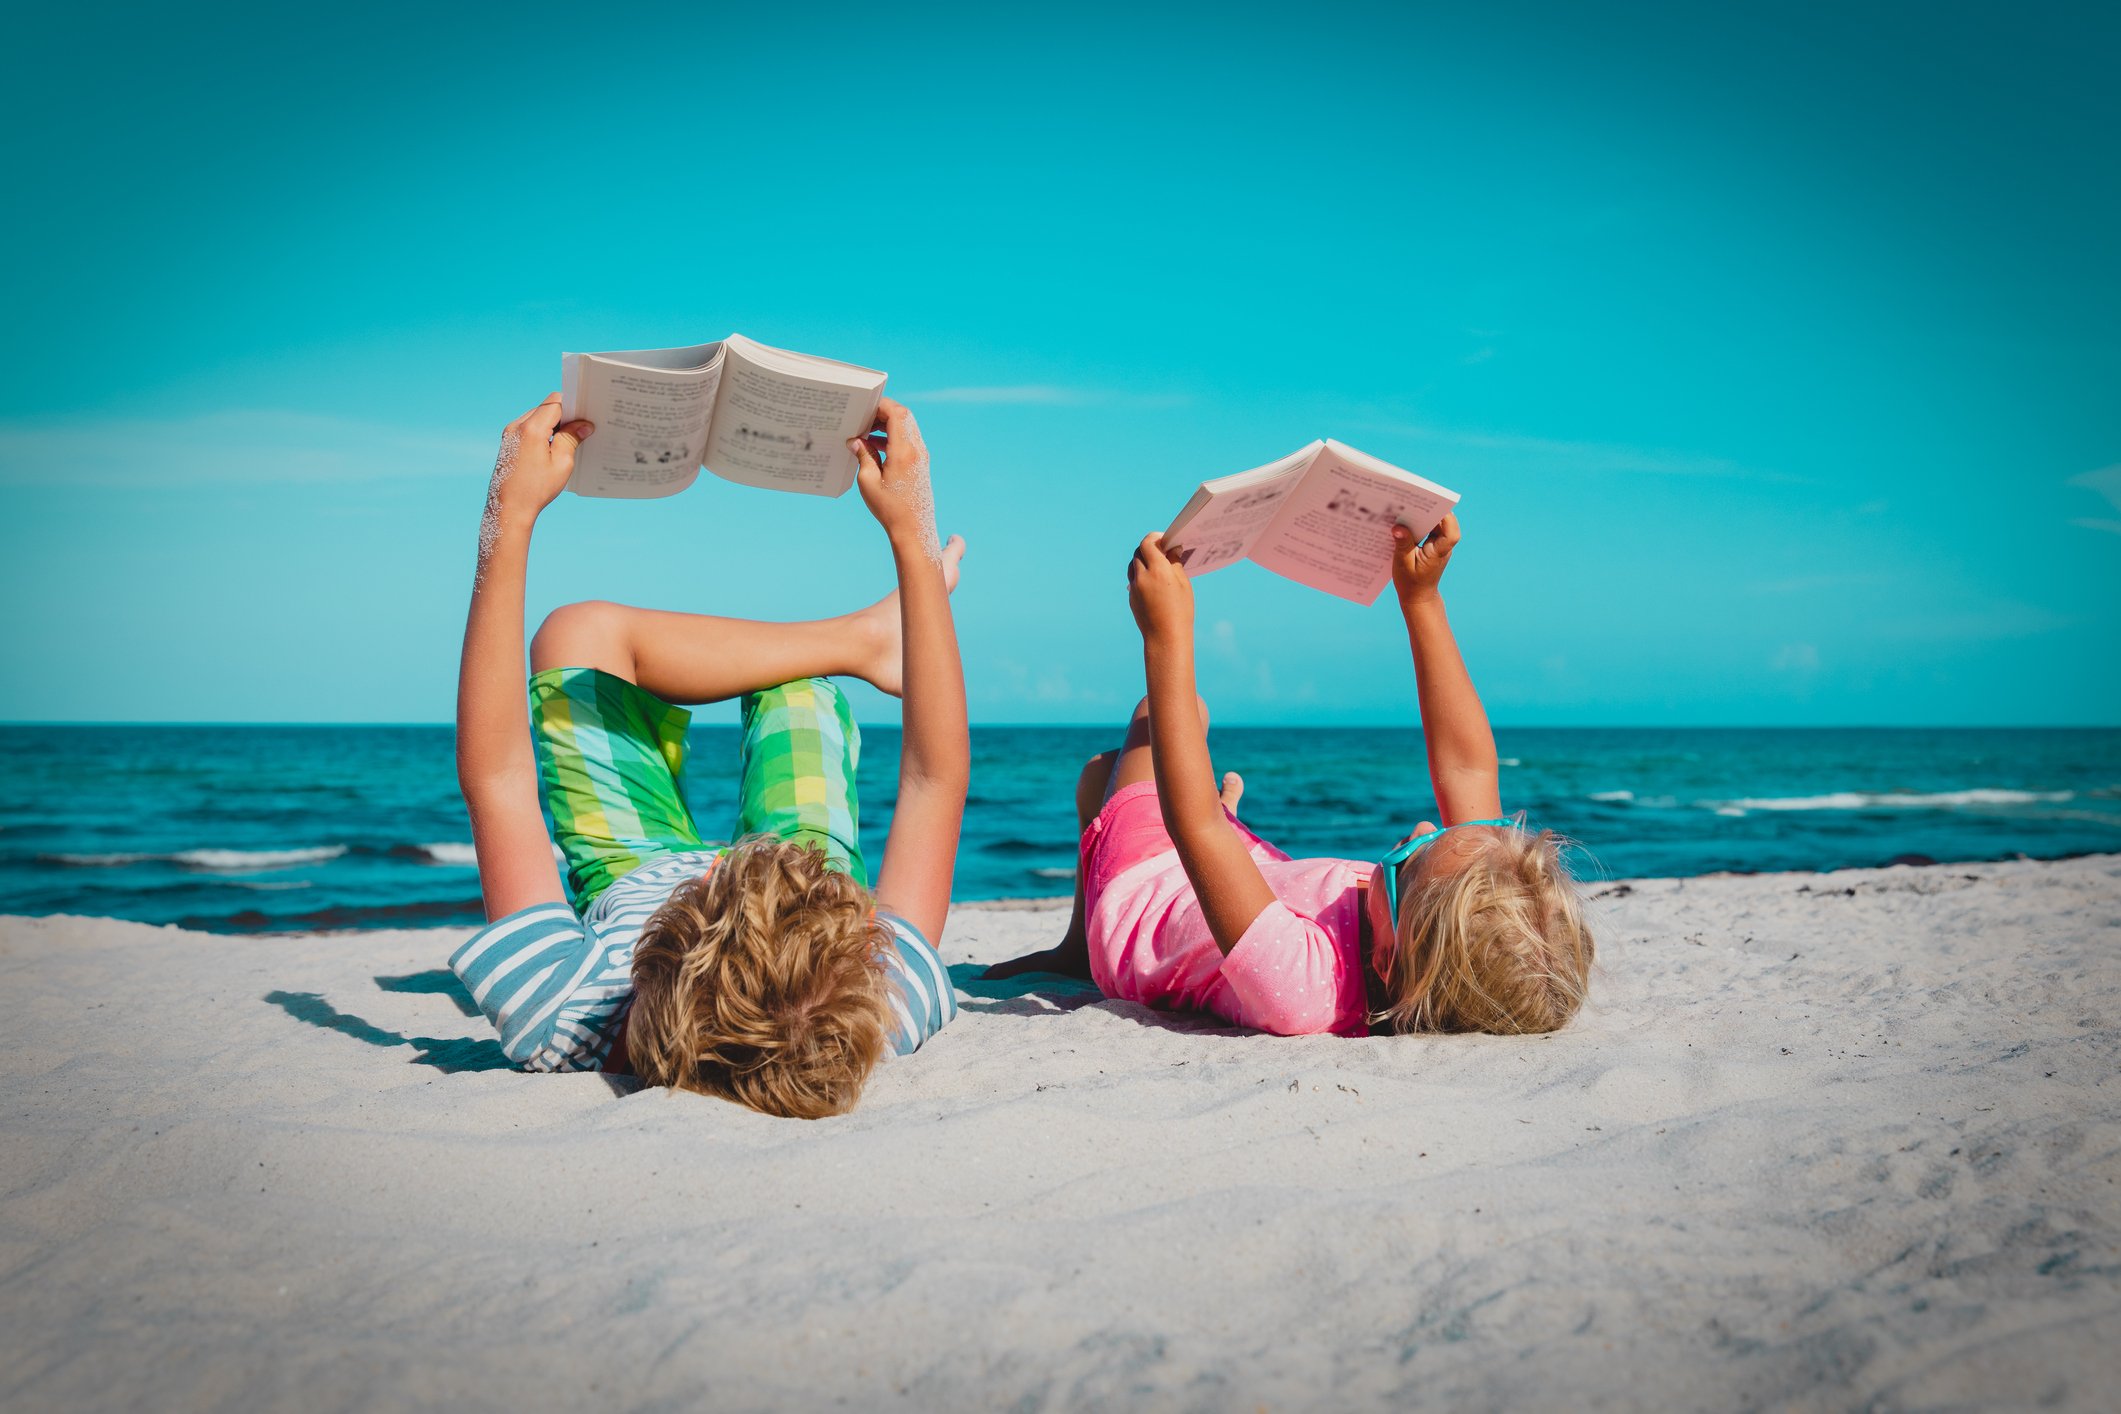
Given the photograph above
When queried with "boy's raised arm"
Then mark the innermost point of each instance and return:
(496, 768)
(1454, 727)
(935, 760)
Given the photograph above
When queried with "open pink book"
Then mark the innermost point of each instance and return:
(1322, 516)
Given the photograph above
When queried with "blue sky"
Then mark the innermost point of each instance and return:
(1774, 351)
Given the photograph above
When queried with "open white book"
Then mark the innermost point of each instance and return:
(745, 411)
(1322, 516)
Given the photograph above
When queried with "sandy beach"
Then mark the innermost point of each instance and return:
(1821, 1141)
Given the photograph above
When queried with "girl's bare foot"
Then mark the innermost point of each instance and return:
(1069, 958)
(883, 635)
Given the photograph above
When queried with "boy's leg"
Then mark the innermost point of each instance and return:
(611, 747)
(693, 658)
(609, 757)
(800, 751)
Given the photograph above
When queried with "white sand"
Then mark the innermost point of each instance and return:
(1809, 1148)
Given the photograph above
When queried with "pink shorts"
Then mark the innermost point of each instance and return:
(1129, 829)
(1297, 971)
(1134, 889)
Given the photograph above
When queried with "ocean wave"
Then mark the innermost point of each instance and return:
(451, 852)
(1613, 797)
(448, 852)
(1891, 800)
(1053, 873)
(429, 913)
(1015, 845)
(215, 861)
(1508, 761)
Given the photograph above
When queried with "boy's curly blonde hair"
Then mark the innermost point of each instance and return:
(1494, 942)
(761, 982)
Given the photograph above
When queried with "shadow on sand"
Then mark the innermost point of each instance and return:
(436, 982)
(449, 1054)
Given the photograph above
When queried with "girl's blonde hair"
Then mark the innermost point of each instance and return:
(761, 982)
(1497, 943)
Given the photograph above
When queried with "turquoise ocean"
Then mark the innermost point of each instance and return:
(295, 828)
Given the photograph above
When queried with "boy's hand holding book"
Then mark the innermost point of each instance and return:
(892, 471)
(536, 459)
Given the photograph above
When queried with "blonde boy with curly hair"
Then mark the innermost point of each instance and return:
(767, 971)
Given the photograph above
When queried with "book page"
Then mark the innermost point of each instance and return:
(1335, 532)
(782, 420)
(1219, 525)
(650, 407)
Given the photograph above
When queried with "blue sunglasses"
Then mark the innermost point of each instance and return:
(1392, 862)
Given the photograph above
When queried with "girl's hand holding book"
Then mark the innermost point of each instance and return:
(1160, 592)
(1418, 565)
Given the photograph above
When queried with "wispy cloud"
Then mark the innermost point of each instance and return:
(1812, 583)
(230, 446)
(1045, 683)
(1801, 659)
(2106, 481)
(1559, 455)
(2002, 619)
(1047, 395)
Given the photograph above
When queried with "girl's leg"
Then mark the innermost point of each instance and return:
(1135, 761)
(1071, 956)
(689, 658)
(1103, 774)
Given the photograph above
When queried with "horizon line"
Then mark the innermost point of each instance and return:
(9, 722)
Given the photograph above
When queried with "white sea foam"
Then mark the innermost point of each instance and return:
(1891, 800)
(1053, 873)
(1508, 761)
(245, 861)
(464, 855)
(225, 861)
(1613, 797)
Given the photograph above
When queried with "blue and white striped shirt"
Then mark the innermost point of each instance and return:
(557, 986)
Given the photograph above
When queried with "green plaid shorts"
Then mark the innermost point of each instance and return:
(611, 754)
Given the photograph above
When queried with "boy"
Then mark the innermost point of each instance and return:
(766, 971)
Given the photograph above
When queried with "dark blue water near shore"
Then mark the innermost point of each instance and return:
(292, 828)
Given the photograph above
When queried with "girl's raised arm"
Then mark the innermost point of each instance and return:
(1233, 893)
(1454, 726)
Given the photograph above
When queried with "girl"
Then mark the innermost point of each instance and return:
(1475, 926)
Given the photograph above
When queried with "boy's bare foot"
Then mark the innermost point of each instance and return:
(883, 634)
